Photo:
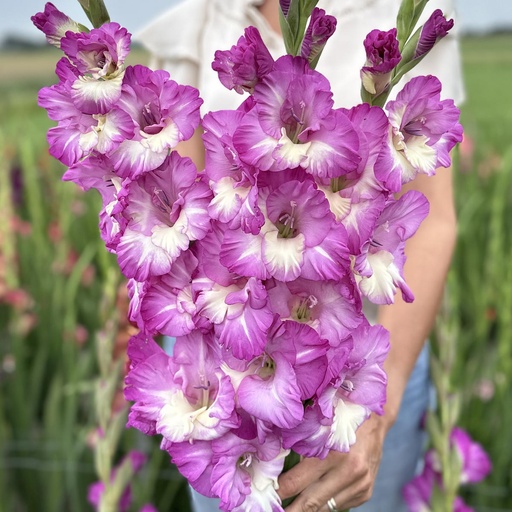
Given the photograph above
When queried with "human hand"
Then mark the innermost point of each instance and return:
(348, 478)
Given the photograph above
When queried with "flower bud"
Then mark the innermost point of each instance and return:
(321, 27)
(285, 7)
(434, 29)
(382, 57)
(54, 24)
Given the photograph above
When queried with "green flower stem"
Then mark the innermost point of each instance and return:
(96, 11)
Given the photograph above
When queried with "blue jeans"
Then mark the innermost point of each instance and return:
(404, 445)
(402, 452)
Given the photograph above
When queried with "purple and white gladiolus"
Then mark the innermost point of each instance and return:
(423, 130)
(257, 264)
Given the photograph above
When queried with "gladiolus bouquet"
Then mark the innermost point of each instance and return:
(257, 264)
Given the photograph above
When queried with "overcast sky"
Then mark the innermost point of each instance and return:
(473, 14)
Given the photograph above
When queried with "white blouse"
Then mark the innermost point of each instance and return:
(184, 39)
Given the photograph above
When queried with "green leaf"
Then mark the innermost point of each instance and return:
(293, 26)
(408, 15)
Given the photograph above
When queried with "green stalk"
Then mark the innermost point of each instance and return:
(96, 11)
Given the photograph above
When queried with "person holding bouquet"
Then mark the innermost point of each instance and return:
(183, 41)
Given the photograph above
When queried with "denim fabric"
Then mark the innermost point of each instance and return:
(404, 444)
(402, 453)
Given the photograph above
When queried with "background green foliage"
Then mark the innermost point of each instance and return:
(53, 280)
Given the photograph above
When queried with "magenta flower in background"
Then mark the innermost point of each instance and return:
(54, 24)
(382, 57)
(476, 464)
(434, 29)
(96, 490)
(242, 67)
(417, 493)
(460, 506)
(148, 507)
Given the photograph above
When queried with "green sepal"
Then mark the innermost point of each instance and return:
(434, 431)
(83, 28)
(408, 61)
(437, 499)
(408, 15)
(366, 97)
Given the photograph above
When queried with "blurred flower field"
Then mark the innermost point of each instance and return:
(62, 303)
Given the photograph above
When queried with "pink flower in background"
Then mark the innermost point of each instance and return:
(476, 464)
(96, 490)
(148, 507)
(417, 493)
(460, 506)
